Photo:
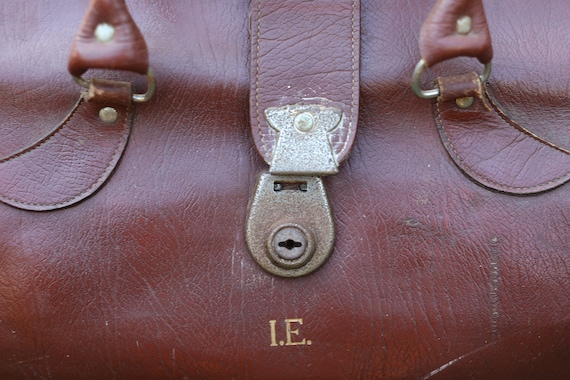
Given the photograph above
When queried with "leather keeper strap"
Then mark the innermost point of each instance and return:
(305, 53)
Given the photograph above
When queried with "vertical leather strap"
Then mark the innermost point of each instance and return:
(305, 52)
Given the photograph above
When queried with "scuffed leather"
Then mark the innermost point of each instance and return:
(126, 51)
(498, 152)
(150, 277)
(304, 52)
(68, 164)
(439, 39)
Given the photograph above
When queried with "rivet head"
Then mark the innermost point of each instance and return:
(104, 33)
(108, 115)
(304, 122)
(464, 102)
(290, 245)
(464, 25)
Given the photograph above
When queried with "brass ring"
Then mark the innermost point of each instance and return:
(434, 93)
(137, 98)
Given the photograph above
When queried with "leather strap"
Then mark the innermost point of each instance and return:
(456, 28)
(125, 48)
(305, 52)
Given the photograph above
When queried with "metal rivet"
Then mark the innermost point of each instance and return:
(304, 122)
(108, 115)
(104, 33)
(464, 25)
(464, 102)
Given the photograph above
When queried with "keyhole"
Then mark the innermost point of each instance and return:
(290, 244)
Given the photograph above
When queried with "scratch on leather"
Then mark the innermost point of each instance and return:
(494, 286)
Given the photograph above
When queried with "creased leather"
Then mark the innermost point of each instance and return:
(304, 52)
(498, 152)
(150, 278)
(68, 164)
(439, 39)
(126, 51)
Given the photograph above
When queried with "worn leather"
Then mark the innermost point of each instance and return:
(127, 49)
(304, 53)
(439, 37)
(495, 150)
(433, 275)
(68, 164)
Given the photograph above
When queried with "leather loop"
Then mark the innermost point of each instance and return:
(456, 28)
(305, 52)
(118, 44)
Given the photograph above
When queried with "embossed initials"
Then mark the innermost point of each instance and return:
(289, 332)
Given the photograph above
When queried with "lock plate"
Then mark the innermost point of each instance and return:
(290, 230)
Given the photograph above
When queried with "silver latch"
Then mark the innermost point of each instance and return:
(290, 230)
(303, 146)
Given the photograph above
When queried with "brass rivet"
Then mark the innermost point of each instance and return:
(304, 122)
(464, 102)
(104, 33)
(108, 115)
(464, 25)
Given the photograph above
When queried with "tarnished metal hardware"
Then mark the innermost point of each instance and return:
(434, 93)
(290, 245)
(108, 115)
(303, 146)
(137, 98)
(104, 33)
(464, 25)
(290, 230)
(464, 102)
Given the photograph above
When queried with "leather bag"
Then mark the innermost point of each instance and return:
(252, 190)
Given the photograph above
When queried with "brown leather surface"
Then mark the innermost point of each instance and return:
(496, 151)
(455, 87)
(439, 39)
(126, 51)
(304, 52)
(150, 278)
(110, 92)
(68, 164)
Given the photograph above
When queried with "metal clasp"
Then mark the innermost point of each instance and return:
(290, 230)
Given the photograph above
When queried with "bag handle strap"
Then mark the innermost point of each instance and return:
(453, 28)
(110, 39)
(456, 28)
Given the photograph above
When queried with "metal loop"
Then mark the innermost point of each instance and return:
(137, 98)
(435, 92)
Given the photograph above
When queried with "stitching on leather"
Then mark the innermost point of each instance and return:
(475, 175)
(47, 138)
(258, 48)
(112, 163)
(522, 129)
(353, 68)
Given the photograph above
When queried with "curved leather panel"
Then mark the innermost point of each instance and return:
(68, 164)
(126, 51)
(497, 152)
(439, 39)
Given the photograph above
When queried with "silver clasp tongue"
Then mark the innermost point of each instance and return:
(290, 230)
(303, 146)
